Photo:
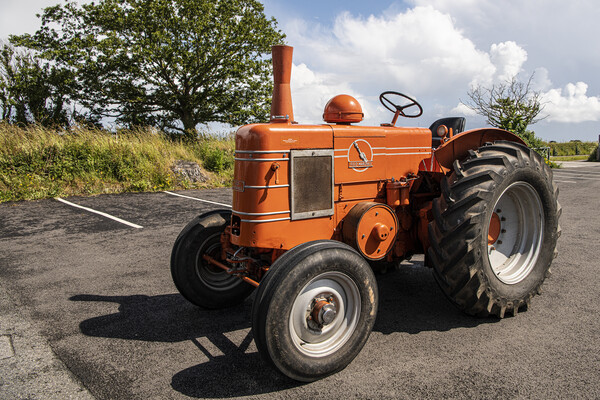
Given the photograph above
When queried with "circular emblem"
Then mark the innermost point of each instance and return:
(360, 155)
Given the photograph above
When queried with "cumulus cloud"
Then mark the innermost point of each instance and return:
(404, 49)
(508, 57)
(418, 51)
(462, 109)
(571, 104)
(541, 80)
(434, 52)
(311, 91)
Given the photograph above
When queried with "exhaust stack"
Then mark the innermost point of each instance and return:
(281, 105)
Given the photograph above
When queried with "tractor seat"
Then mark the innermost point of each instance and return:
(457, 124)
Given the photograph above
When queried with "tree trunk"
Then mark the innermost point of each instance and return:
(189, 125)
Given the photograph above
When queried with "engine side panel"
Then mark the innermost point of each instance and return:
(364, 158)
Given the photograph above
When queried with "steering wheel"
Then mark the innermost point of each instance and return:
(399, 109)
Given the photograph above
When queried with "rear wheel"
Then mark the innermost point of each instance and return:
(201, 283)
(314, 310)
(495, 229)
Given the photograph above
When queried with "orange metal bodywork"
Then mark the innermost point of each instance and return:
(457, 147)
(281, 106)
(261, 192)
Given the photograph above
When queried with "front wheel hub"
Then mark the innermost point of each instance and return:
(323, 312)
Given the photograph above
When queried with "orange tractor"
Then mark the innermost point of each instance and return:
(317, 208)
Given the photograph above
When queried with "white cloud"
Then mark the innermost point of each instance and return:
(571, 104)
(508, 58)
(310, 93)
(462, 109)
(418, 51)
(541, 80)
(405, 49)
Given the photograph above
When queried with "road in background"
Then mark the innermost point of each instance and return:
(99, 292)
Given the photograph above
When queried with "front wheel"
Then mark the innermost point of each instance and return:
(201, 283)
(495, 230)
(314, 310)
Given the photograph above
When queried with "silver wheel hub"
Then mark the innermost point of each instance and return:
(325, 314)
(516, 243)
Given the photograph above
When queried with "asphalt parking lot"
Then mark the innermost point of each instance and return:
(88, 310)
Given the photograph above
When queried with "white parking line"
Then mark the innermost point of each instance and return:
(194, 198)
(578, 173)
(556, 180)
(99, 213)
(578, 177)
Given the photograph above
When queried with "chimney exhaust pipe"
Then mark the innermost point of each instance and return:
(281, 105)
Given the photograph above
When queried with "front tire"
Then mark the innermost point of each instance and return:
(314, 310)
(198, 281)
(495, 230)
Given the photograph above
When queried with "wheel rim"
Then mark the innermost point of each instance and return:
(514, 246)
(213, 276)
(341, 294)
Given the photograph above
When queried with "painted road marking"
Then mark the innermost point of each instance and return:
(556, 180)
(579, 177)
(577, 173)
(194, 198)
(99, 213)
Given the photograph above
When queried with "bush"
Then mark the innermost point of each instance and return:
(594, 155)
(218, 155)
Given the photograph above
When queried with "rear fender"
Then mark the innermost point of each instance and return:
(457, 147)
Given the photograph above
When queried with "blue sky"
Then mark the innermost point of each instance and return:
(433, 50)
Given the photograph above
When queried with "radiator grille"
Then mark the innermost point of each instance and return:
(311, 183)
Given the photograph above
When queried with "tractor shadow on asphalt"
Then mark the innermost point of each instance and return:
(222, 336)
(409, 302)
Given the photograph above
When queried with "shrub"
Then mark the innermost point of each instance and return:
(594, 155)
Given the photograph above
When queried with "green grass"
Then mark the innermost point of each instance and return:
(572, 148)
(37, 163)
(569, 158)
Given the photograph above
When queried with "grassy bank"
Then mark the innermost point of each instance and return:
(572, 148)
(37, 163)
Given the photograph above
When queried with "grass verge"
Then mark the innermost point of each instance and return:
(569, 158)
(37, 163)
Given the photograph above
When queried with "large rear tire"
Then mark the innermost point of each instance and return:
(495, 230)
(314, 310)
(201, 283)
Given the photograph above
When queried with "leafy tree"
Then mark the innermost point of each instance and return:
(511, 105)
(174, 63)
(32, 92)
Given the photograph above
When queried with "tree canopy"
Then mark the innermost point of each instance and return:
(170, 63)
(31, 91)
(511, 105)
